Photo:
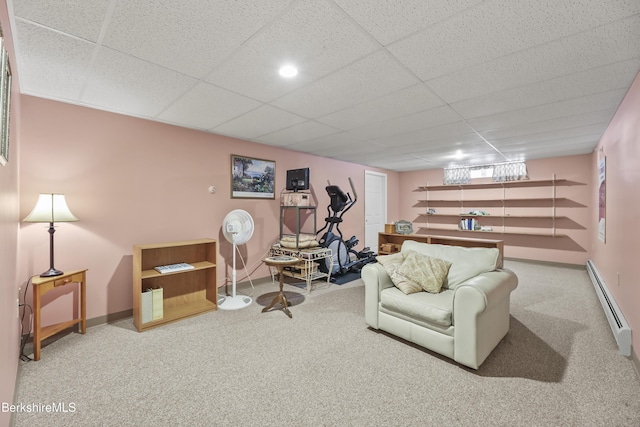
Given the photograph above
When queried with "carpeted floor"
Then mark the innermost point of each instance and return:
(558, 366)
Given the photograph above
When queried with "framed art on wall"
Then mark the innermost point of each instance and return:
(252, 178)
(5, 103)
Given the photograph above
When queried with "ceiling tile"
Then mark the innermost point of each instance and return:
(497, 28)
(298, 133)
(610, 77)
(206, 106)
(583, 133)
(261, 121)
(128, 85)
(408, 124)
(387, 22)
(329, 142)
(461, 155)
(598, 119)
(447, 134)
(190, 37)
(81, 18)
(608, 101)
(449, 145)
(555, 148)
(342, 150)
(51, 65)
(309, 35)
(590, 49)
(369, 78)
(396, 104)
(403, 163)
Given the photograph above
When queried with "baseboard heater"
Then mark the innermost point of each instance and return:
(619, 326)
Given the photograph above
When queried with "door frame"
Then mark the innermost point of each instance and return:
(384, 203)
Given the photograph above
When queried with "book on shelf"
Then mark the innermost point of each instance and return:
(173, 268)
(152, 305)
(147, 306)
(158, 304)
(469, 224)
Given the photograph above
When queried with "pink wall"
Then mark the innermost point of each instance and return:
(9, 210)
(134, 181)
(617, 258)
(571, 248)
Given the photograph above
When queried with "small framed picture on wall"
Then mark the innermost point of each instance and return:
(5, 103)
(252, 178)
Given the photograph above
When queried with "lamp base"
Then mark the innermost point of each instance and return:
(52, 272)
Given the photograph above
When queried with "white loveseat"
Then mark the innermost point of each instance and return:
(465, 321)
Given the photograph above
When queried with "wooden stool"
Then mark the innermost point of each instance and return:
(280, 261)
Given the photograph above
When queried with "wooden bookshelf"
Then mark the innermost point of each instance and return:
(185, 293)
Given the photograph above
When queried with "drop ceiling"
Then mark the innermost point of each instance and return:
(402, 85)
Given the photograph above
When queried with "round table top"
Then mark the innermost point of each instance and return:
(281, 260)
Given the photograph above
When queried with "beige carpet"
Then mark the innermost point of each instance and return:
(558, 366)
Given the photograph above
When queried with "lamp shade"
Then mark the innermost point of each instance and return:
(51, 208)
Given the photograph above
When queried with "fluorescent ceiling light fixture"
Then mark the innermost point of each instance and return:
(288, 71)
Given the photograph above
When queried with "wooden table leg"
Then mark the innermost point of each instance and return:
(83, 305)
(281, 298)
(36, 323)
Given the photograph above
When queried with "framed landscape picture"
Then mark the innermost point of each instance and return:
(5, 103)
(252, 178)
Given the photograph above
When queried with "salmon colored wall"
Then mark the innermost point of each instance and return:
(572, 248)
(617, 258)
(133, 181)
(9, 243)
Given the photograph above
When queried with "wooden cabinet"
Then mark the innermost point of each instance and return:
(185, 293)
(516, 207)
(389, 243)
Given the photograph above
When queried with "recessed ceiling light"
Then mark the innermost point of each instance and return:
(288, 71)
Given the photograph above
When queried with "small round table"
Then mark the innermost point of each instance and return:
(280, 261)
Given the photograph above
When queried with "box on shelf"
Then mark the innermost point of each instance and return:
(389, 228)
(302, 268)
(295, 199)
(390, 247)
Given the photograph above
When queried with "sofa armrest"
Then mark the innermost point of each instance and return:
(487, 288)
(481, 315)
(375, 280)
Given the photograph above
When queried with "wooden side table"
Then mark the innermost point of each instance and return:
(42, 285)
(280, 261)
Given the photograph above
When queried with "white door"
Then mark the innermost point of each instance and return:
(375, 207)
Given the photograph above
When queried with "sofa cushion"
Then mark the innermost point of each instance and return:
(391, 263)
(424, 270)
(424, 306)
(465, 262)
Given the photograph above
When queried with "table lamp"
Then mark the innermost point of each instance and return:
(51, 208)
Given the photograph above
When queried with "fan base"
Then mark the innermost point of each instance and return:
(233, 303)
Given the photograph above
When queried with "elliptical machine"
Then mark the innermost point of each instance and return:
(344, 257)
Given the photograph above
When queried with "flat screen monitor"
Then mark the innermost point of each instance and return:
(298, 179)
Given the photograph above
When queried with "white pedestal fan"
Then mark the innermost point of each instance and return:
(237, 228)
